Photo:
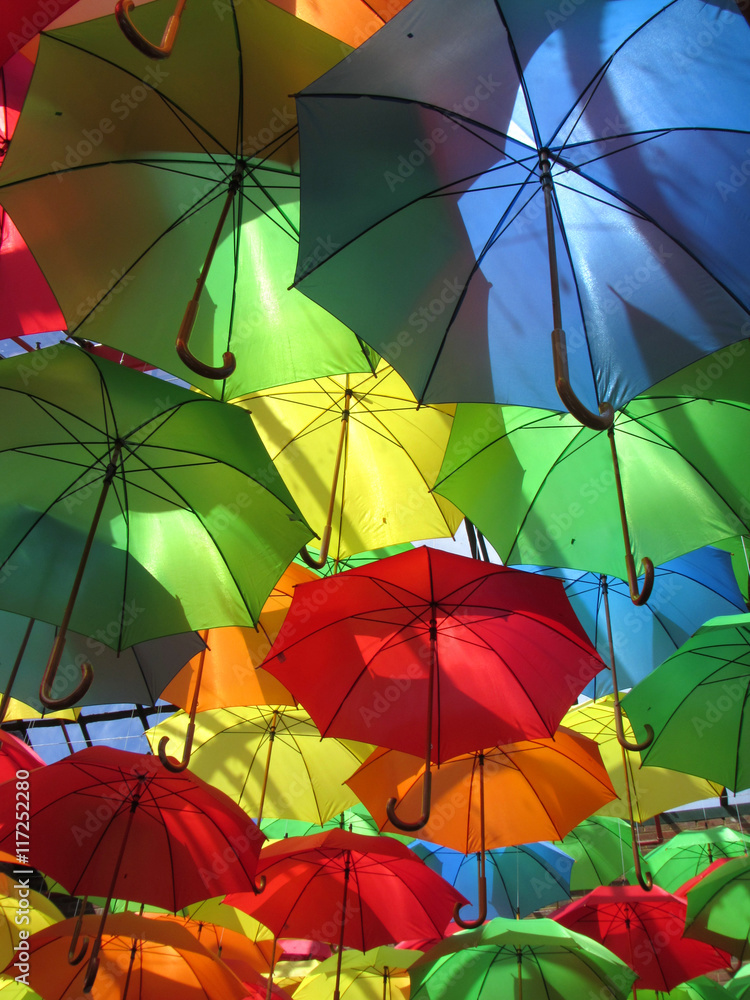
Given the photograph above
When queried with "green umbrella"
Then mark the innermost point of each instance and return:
(544, 490)
(175, 182)
(695, 702)
(332, 565)
(700, 988)
(601, 845)
(166, 498)
(739, 986)
(689, 852)
(719, 908)
(356, 819)
(527, 960)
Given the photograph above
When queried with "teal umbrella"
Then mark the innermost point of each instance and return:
(132, 502)
(695, 702)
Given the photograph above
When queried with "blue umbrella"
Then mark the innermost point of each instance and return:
(687, 592)
(520, 879)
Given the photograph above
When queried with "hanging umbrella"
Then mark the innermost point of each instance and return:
(520, 879)
(333, 566)
(359, 457)
(739, 985)
(165, 497)
(114, 822)
(230, 673)
(155, 961)
(202, 150)
(138, 674)
(23, 20)
(355, 819)
(15, 756)
(524, 797)
(435, 652)
(378, 974)
(690, 852)
(718, 907)
(700, 988)
(269, 759)
(531, 960)
(353, 890)
(644, 929)
(695, 704)
(560, 158)
(601, 847)
(687, 592)
(353, 21)
(22, 909)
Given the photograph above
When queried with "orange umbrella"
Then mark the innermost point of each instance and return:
(158, 961)
(241, 954)
(230, 665)
(535, 790)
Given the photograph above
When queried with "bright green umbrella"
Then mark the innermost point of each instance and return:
(356, 819)
(124, 170)
(526, 959)
(695, 702)
(359, 559)
(689, 852)
(700, 988)
(719, 908)
(188, 523)
(543, 489)
(739, 986)
(602, 847)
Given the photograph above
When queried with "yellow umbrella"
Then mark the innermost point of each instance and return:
(22, 911)
(359, 458)
(270, 759)
(377, 974)
(653, 789)
(12, 989)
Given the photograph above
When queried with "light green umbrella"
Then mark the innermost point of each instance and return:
(521, 959)
(170, 179)
(690, 852)
(695, 702)
(700, 988)
(719, 908)
(132, 509)
(739, 985)
(356, 819)
(602, 847)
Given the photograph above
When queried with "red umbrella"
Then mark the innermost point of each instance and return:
(348, 888)
(16, 756)
(110, 822)
(644, 929)
(435, 654)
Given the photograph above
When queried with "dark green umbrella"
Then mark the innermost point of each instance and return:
(522, 959)
(696, 704)
(166, 497)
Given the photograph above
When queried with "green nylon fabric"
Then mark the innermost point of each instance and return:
(696, 703)
(603, 850)
(120, 170)
(719, 908)
(541, 488)
(555, 964)
(197, 526)
(690, 852)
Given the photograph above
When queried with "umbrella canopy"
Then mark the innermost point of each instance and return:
(170, 494)
(718, 907)
(546, 491)
(503, 648)
(600, 846)
(535, 959)
(687, 592)
(644, 929)
(15, 756)
(352, 21)
(163, 961)
(652, 789)
(21, 909)
(230, 673)
(700, 988)
(345, 887)
(520, 879)
(533, 790)
(496, 149)
(270, 759)
(689, 852)
(377, 974)
(203, 152)
(356, 819)
(138, 674)
(739, 985)
(695, 703)
(359, 457)
(180, 839)
(332, 566)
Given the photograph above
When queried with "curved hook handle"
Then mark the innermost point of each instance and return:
(644, 879)
(189, 359)
(91, 971)
(73, 958)
(467, 924)
(170, 765)
(426, 797)
(601, 422)
(639, 598)
(325, 541)
(133, 35)
(45, 688)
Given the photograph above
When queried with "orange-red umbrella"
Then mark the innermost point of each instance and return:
(352, 21)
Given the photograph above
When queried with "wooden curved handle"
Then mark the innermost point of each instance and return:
(182, 764)
(639, 598)
(73, 958)
(189, 359)
(123, 9)
(426, 797)
(598, 422)
(48, 678)
(467, 924)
